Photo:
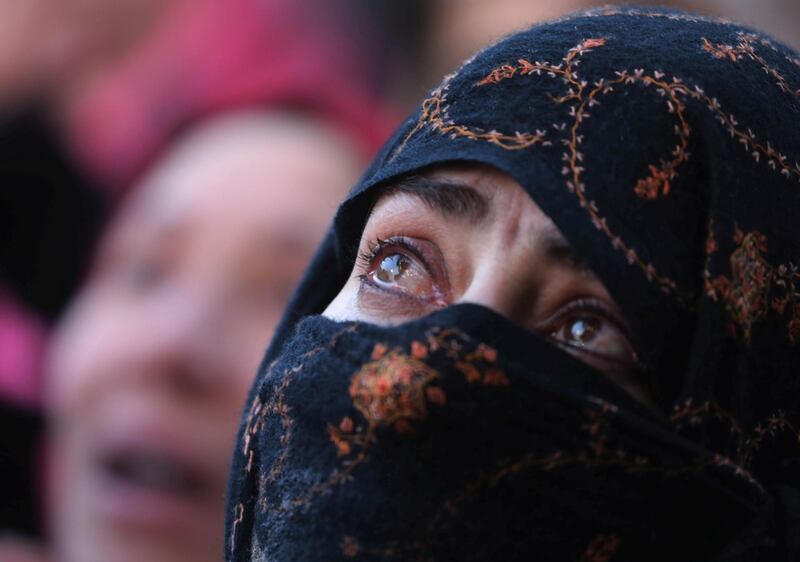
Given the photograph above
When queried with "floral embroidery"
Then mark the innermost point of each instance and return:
(599, 451)
(276, 407)
(251, 429)
(580, 97)
(238, 511)
(476, 366)
(746, 444)
(396, 388)
(391, 390)
(350, 547)
(434, 114)
(596, 414)
(747, 290)
(256, 418)
(746, 48)
(755, 286)
(602, 548)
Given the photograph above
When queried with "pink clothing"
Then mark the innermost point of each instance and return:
(202, 57)
(22, 339)
(211, 55)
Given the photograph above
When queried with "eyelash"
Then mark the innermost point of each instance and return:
(585, 306)
(367, 257)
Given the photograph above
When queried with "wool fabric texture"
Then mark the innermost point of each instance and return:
(663, 145)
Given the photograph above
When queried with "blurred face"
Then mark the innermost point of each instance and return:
(473, 235)
(55, 42)
(151, 365)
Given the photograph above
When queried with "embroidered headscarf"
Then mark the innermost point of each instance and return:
(664, 146)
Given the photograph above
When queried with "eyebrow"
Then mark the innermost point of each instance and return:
(447, 197)
(558, 250)
(461, 200)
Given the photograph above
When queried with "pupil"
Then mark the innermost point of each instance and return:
(391, 268)
(583, 330)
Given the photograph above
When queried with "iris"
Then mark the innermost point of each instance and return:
(582, 330)
(391, 268)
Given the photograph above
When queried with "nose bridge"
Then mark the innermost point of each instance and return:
(179, 346)
(180, 311)
(504, 284)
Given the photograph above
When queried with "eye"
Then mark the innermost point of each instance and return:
(581, 331)
(590, 330)
(401, 268)
(392, 268)
(129, 269)
(142, 275)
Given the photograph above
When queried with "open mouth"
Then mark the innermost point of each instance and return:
(150, 471)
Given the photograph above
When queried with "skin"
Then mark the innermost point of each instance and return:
(489, 244)
(157, 353)
(18, 549)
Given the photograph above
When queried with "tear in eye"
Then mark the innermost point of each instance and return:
(392, 268)
(401, 273)
(581, 331)
(403, 270)
(587, 329)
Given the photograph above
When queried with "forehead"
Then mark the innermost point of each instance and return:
(474, 192)
(247, 173)
(475, 202)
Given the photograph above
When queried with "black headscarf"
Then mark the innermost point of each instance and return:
(664, 146)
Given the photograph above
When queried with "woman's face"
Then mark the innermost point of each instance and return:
(473, 235)
(151, 366)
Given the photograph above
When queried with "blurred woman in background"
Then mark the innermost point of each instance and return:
(240, 125)
(91, 94)
(151, 365)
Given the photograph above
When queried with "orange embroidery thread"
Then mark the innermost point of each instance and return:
(602, 548)
(658, 182)
(746, 293)
(395, 390)
(746, 48)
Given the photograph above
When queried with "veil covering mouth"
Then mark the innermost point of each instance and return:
(662, 145)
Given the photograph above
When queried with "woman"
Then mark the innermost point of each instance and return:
(150, 367)
(233, 129)
(557, 319)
